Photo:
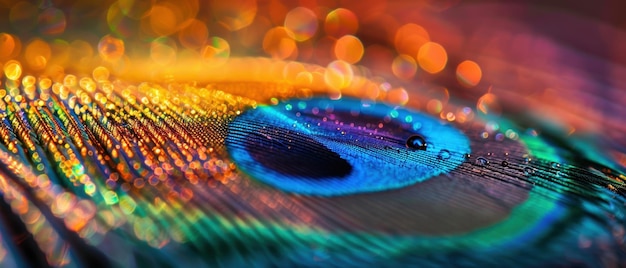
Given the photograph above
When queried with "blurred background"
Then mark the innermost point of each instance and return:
(546, 63)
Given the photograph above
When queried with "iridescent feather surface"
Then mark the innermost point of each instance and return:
(311, 134)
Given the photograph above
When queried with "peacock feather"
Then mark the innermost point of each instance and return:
(159, 134)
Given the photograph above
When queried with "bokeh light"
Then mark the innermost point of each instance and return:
(278, 43)
(100, 74)
(432, 57)
(7, 46)
(110, 48)
(434, 106)
(340, 22)
(163, 51)
(409, 38)
(12, 70)
(194, 35)
(235, 14)
(292, 70)
(404, 67)
(52, 21)
(216, 52)
(302, 23)
(119, 23)
(436, 99)
(37, 54)
(468, 73)
(398, 96)
(349, 49)
(338, 75)
(164, 19)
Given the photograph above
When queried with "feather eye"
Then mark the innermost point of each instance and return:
(327, 148)
(520, 191)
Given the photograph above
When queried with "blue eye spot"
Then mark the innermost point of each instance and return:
(281, 151)
(339, 147)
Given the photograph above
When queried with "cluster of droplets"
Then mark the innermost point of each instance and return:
(525, 165)
(90, 149)
(417, 142)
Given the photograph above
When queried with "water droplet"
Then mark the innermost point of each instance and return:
(481, 161)
(443, 155)
(555, 165)
(416, 142)
(504, 163)
(528, 171)
(468, 156)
